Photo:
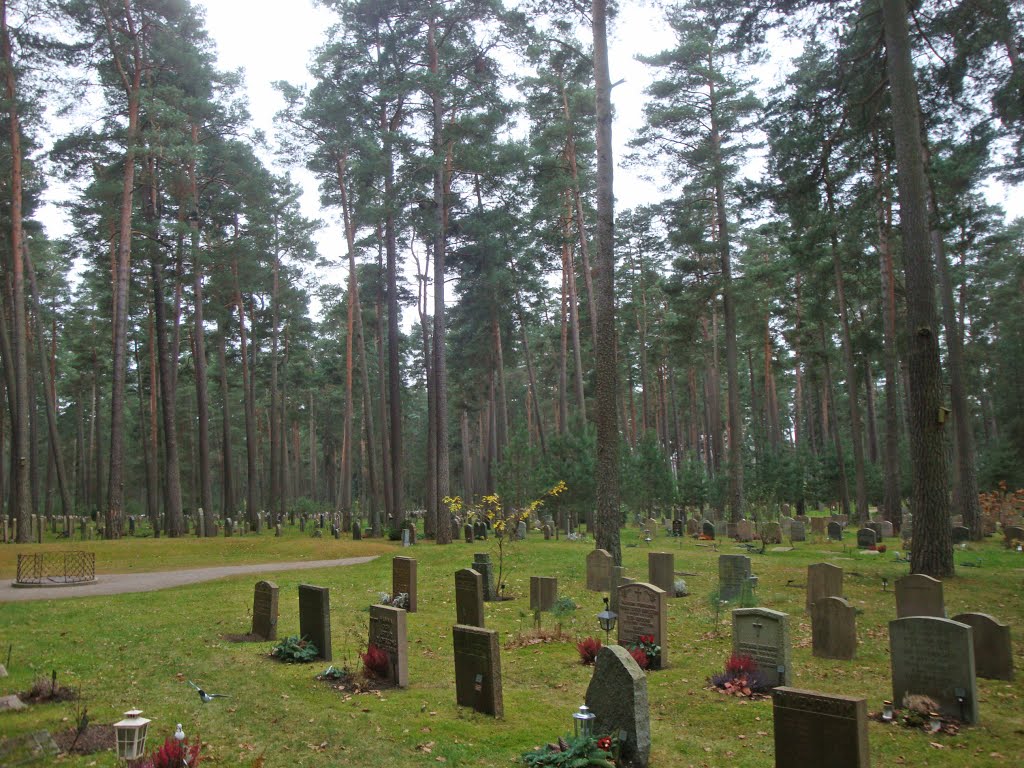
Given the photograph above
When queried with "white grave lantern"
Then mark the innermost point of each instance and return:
(131, 735)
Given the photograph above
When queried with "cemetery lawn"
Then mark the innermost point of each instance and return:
(141, 649)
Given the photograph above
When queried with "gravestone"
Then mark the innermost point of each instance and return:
(823, 580)
(745, 530)
(315, 618)
(866, 538)
(993, 650)
(482, 565)
(771, 533)
(934, 657)
(887, 530)
(477, 669)
(469, 598)
(264, 610)
(708, 529)
(919, 595)
(480, 530)
(617, 695)
(387, 632)
(797, 531)
(678, 527)
(731, 530)
(961, 533)
(643, 610)
(357, 531)
(877, 528)
(835, 531)
(599, 565)
(787, 524)
(277, 530)
(521, 530)
(734, 576)
(547, 532)
(467, 533)
(819, 729)
(693, 527)
(818, 525)
(833, 628)
(721, 529)
(403, 579)
(661, 571)
(543, 592)
(1013, 533)
(763, 635)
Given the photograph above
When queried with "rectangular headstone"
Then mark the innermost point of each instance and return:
(469, 598)
(919, 595)
(482, 564)
(818, 525)
(833, 629)
(993, 651)
(797, 531)
(467, 531)
(823, 580)
(315, 618)
(819, 729)
(934, 657)
(599, 565)
(661, 571)
(387, 632)
(734, 576)
(643, 610)
(264, 610)
(763, 635)
(478, 669)
(543, 592)
(403, 579)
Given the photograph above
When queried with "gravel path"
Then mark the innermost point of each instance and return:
(119, 583)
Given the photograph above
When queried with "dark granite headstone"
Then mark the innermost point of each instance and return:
(477, 669)
(819, 729)
(833, 628)
(866, 538)
(643, 610)
(617, 695)
(357, 531)
(543, 593)
(835, 531)
(935, 657)
(763, 635)
(707, 529)
(919, 595)
(877, 528)
(961, 533)
(388, 632)
(482, 565)
(467, 532)
(403, 579)
(315, 618)
(469, 598)
(264, 610)
(993, 650)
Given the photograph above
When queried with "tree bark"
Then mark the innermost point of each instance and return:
(251, 449)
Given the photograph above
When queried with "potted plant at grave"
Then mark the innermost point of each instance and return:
(645, 652)
(740, 678)
(295, 649)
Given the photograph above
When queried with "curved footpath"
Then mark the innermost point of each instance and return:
(120, 583)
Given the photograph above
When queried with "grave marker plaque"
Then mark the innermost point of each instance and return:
(315, 618)
(469, 598)
(919, 595)
(819, 729)
(264, 610)
(599, 565)
(403, 579)
(763, 635)
(388, 632)
(478, 669)
(934, 657)
(643, 610)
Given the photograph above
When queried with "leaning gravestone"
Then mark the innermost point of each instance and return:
(599, 569)
(403, 580)
(866, 538)
(617, 695)
(835, 531)
(919, 595)
(315, 618)
(763, 635)
(823, 580)
(543, 592)
(477, 669)
(934, 657)
(833, 629)
(387, 632)
(482, 565)
(734, 576)
(643, 610)
(797, 531)
(264, 610)
(819, 729)
(469, 598)
(993, 650)
(661, 571)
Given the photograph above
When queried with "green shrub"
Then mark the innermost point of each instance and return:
(295, 649)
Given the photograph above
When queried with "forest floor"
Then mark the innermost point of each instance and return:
(142, 649)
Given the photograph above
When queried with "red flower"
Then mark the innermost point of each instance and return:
(605, 743)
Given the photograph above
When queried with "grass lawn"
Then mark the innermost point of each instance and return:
(140, 649)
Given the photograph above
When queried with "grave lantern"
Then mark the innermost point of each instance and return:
(583, 722)
(131, 735)
(606, 619)
(934, 722)
(887, 714)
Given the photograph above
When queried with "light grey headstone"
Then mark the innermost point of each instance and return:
(763, 635)
(797, 531)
